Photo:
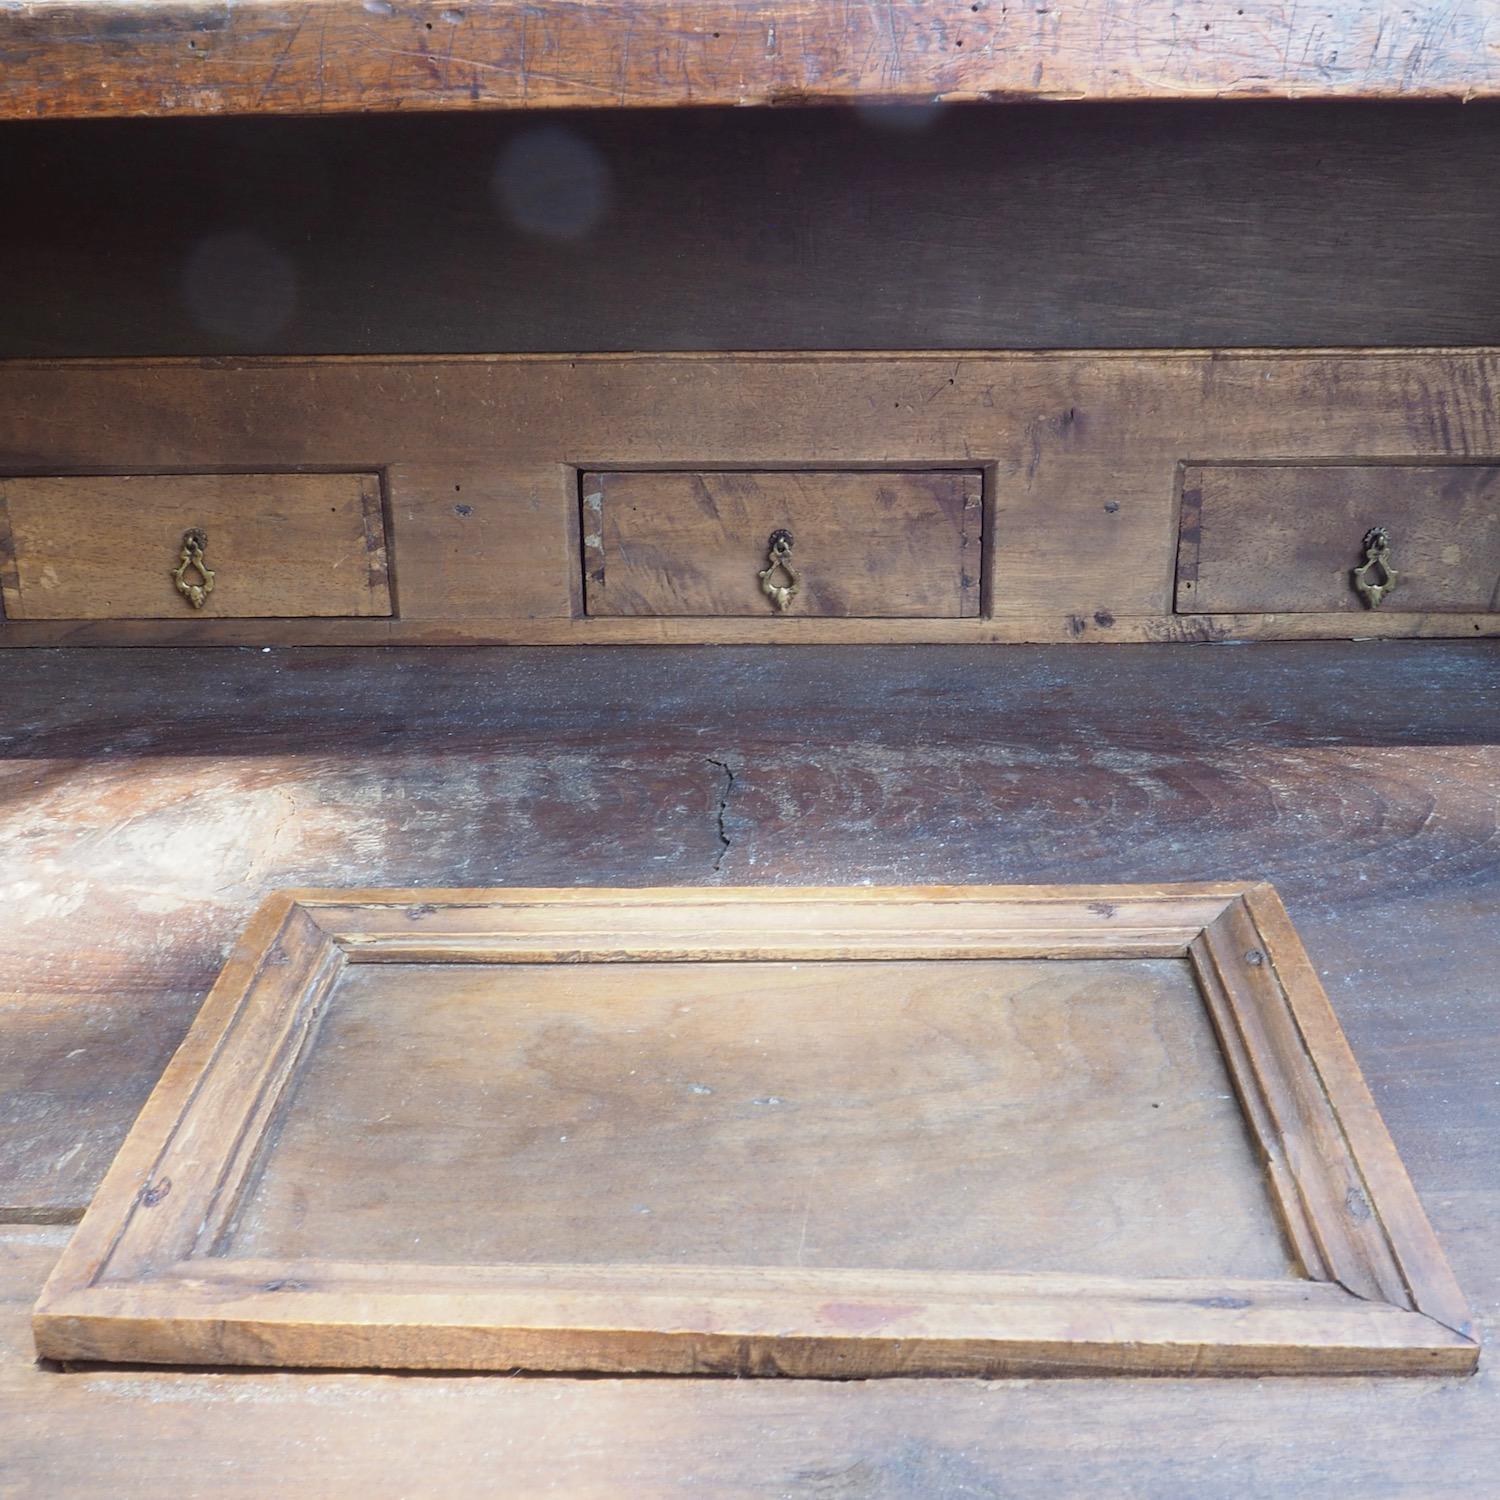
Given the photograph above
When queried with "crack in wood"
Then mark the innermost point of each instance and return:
(725, 842)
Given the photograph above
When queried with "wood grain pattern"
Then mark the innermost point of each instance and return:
(1043, 226)
(200, 1434)
(84, 57)
(949, 765)
(156, 1271)
(103, 547)
(965, 1116)
(874, 544)
(1083, 454)
(1378, 1252)
(1286, 538)
(1374, 811)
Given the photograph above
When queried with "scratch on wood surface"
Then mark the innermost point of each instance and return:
(89, 57)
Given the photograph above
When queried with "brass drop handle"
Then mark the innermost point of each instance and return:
(779, 559)
(194, 543)
(1376, 576)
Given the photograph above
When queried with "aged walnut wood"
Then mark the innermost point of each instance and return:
(876, 544)
(95, 547)
(88, 57)
(1083, 455)
(223, 1234)
(1361, 778)
(1286, 538)
(668, 1092)
(249, 1433)
(948, 765)
(1047, 226)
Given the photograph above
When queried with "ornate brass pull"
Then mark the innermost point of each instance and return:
(1375, 577)
(191, 556)
(779, 557)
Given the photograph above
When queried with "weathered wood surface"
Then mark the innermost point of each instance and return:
(1268, 537)
(92, 57)
(878, 544)
(353, 1161)
(150, 800)
(1082, 456)
(97, 548)
(677, 1117)
(1032, 227)
(1362, 779)
(253, 1433)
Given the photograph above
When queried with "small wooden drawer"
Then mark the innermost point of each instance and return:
(1287, 539)
(109, 547)
(872, 544)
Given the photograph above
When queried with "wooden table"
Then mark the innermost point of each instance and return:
(149, 799)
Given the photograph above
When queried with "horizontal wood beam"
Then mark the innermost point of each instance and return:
(75, 58)
(1084, 523)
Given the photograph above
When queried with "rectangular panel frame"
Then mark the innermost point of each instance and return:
(144, 1278)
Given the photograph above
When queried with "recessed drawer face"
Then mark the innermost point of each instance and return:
(873, 544)
(112, 547)
(1287, 539)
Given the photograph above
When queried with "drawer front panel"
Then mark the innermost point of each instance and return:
(863, 544)
(1287, 539)
(105, 547)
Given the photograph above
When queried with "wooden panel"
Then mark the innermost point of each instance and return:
(205, 1244)
(202, 1434)
(100, 547)
(1288, 537)
(1052, 226)
(477, 536)
(91, 57)
(598, 1113)
(884, 545)
(536, 766)
(1082, 454)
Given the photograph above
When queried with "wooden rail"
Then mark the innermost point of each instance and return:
(71, 58)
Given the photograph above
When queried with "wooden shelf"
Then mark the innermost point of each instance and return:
(74, 58)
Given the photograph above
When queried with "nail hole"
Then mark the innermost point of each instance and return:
(155, 1192)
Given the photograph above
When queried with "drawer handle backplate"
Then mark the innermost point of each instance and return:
(1377, 545)
(193, 544)
(779, 558)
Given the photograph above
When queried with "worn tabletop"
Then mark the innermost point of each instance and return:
(149, 800)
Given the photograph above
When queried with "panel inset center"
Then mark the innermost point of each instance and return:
(997, 1115)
